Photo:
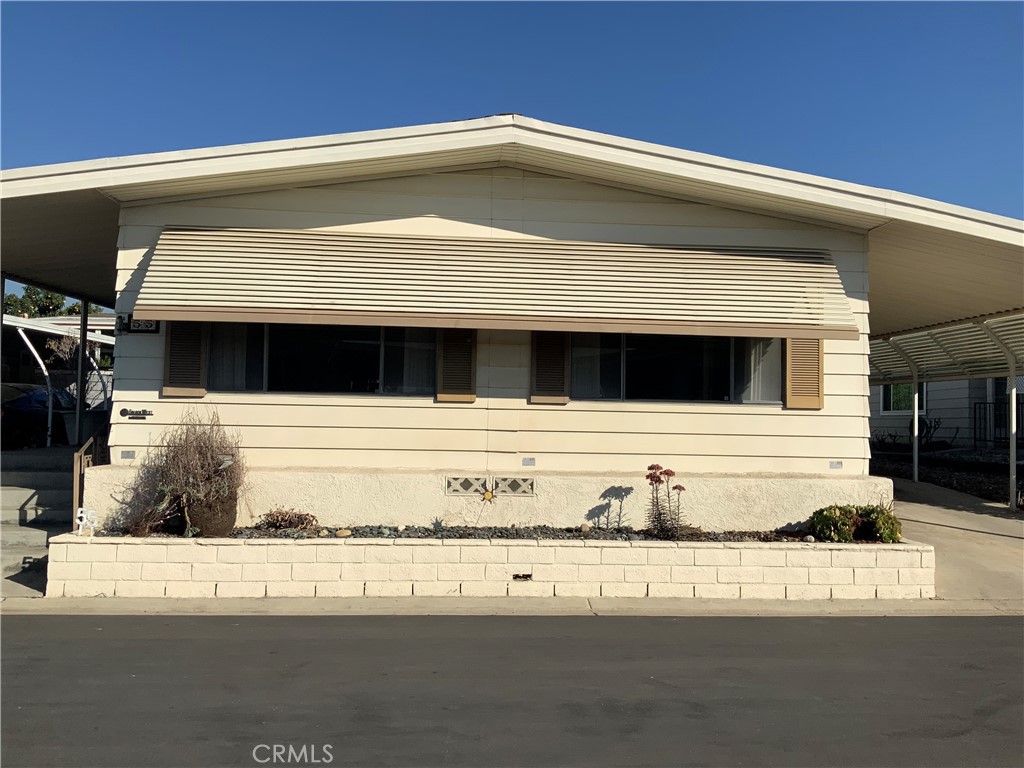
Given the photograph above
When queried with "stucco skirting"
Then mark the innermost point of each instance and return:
(93, 567)
(369, 497)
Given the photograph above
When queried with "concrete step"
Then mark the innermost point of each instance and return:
(17, 497)
(16, 559)
(24, 571)
(59, 514)
(21, 497)
(18, 536)
(37, 479)
(24, 506)
(58, 458)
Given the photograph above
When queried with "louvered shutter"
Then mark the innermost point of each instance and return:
(456, 365)
(185, 349)
(805, 379)
(549, 379)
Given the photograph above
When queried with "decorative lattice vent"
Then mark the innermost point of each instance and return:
(499, 486)
(513, 486)
(466, 486)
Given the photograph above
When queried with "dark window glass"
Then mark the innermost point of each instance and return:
(758, 370)
(236, 357)
(323, 358)
(900, 397)
(596, 371)
(677, 367)
(410, 356)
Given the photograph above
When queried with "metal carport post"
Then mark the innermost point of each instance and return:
(1011, 393)
(916, 407)
(83, 327)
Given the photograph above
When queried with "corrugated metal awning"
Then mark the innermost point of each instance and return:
(969, 350)
(330, 278)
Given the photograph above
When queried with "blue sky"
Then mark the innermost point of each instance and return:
(924, 98)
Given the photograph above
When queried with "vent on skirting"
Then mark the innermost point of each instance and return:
(499, 486)
(513, 486)
(466, 486)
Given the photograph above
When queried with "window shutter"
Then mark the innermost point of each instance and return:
(805, 380)
(549, 379)
(456, 365)
(185, 350)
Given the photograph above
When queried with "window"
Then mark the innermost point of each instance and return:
(899, 398)
(236, 357)
(253, 357)
(596, 366)
(607, 366)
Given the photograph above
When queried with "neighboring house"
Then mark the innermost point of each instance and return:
(396, 321)
(965, 413)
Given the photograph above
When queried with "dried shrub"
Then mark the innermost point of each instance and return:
(283, 519)
(188, 483)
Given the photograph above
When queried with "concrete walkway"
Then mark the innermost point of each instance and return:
(979, 545)
(500, 606)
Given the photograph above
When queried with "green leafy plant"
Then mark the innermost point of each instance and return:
(879, 524)
(835, 523)
(847, 523)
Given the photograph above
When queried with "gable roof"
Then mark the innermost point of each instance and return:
(60, 221)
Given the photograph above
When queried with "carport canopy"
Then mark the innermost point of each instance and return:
(986, 347)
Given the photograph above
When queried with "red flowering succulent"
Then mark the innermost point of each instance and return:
(664, 516)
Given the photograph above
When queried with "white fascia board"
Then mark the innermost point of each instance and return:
(873, 201)
(239, 158)
(502, 131)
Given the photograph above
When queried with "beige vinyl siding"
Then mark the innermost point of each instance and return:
(500, 429)
(949, 401)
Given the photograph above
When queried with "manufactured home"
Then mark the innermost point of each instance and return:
(502, 320)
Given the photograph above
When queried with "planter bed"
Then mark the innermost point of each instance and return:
(509, 532)
(493, 567)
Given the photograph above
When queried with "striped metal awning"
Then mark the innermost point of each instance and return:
(972, 349)
(285, 276)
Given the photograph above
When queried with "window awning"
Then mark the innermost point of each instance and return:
(236, 275)
(969, 350)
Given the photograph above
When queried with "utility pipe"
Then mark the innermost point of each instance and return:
(49, 387)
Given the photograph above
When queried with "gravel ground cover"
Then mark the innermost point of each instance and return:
(496, 532)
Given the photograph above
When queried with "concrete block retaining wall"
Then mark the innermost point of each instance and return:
(159, 567)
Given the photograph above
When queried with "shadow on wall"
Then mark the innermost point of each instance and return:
(609, 513)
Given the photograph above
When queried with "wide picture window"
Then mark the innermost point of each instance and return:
(254, 357)
(609, 366)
